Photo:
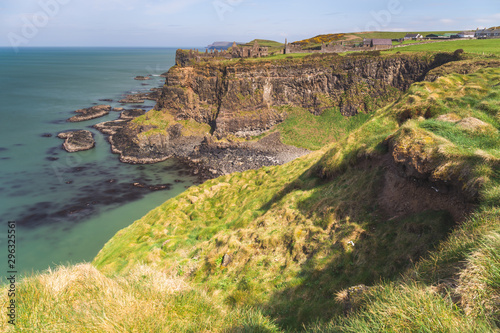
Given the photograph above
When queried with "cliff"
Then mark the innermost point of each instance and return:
(398, 219)
(245, 98)
(238, 97)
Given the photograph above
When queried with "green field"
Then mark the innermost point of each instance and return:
(477, 46)
(272, 45)
(396, 35)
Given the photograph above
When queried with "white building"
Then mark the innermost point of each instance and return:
(413, 36)
(466, 34)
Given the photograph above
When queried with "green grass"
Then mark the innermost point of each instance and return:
(280, 235)
(407, 308)
(161, 121)
(143, 301)
(487, 141)
(405, 42)
(396, 35)
(272, 45)
(303, 129)
(302, 234)
(475, 46)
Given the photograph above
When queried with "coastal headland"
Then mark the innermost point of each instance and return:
(353, 192)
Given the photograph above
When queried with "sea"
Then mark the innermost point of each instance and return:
(61, 208)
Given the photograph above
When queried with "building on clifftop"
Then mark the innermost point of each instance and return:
(255, 51)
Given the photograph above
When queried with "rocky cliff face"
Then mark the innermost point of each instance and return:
(243, 98)
(238, 98)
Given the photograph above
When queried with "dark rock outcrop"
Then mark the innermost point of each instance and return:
(135, 145)
(130, 99)
(141, 78)
(91, 113)
(248, 98)
(131, 114)
(213, 159)
(241, 98)
(153, 95)
(110, 127)
(77, 140)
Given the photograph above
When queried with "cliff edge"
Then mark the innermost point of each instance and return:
(225, 105)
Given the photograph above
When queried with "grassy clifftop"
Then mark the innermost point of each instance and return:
(396, 223)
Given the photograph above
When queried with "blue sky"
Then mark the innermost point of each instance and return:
(199, 22)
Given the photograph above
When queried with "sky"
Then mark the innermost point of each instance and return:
(185, 23)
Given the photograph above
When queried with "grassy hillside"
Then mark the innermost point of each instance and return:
(397, 224)
(316, 41)
(303, 129)
(272, 45)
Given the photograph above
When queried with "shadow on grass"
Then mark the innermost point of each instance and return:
(384, 253)
(362, 247)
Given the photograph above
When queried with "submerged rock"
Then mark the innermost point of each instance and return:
(77, 140)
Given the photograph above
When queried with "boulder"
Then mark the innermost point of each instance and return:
(226, 260)
(472, 124)
(77, 140)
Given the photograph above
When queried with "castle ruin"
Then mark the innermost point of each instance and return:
(184, 57)
(338, 47)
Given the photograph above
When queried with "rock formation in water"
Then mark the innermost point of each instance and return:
(77, 140)
(91, 113)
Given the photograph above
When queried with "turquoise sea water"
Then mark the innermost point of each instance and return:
(67, 206)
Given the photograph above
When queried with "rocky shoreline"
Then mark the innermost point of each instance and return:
(204, 155)
(213, 159)
(206, 158)
(90, 113)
